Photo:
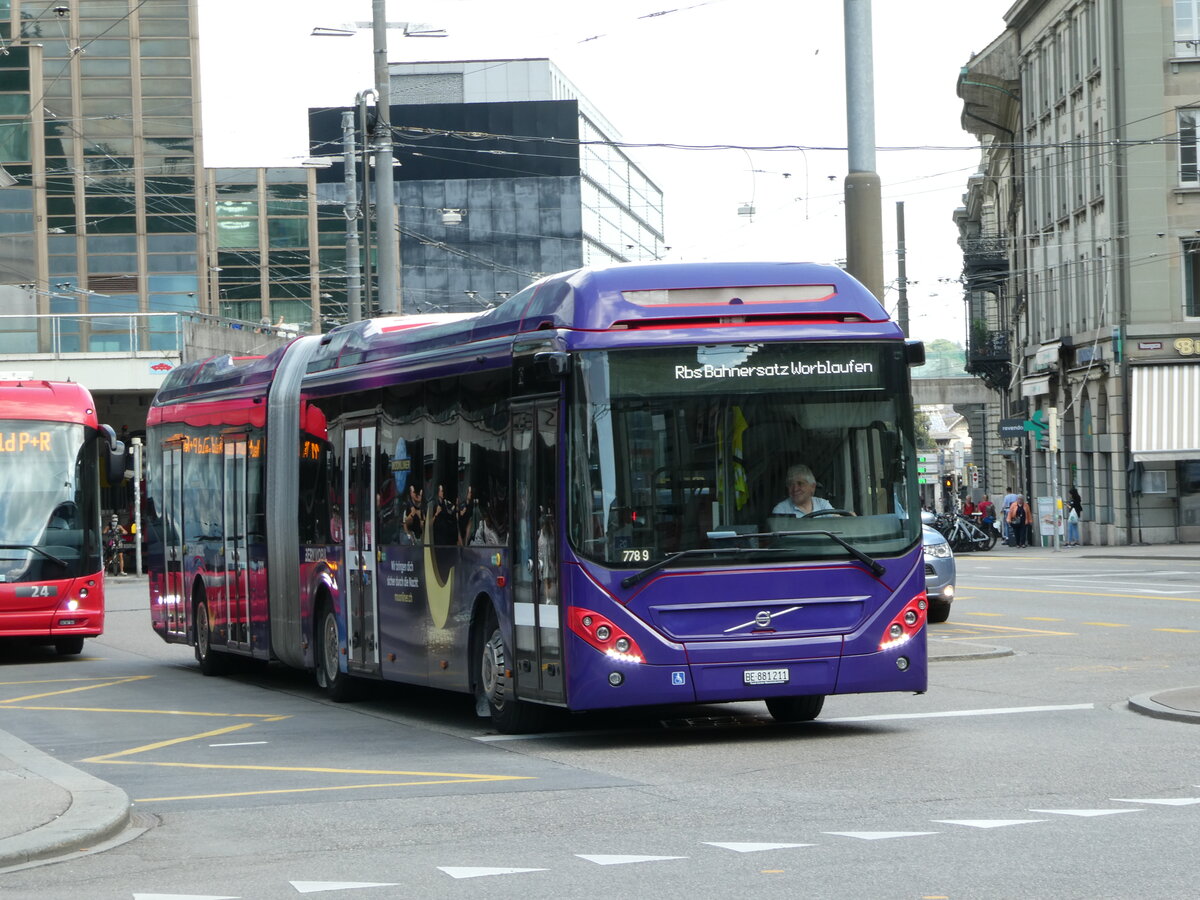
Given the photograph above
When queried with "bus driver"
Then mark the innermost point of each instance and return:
(800, 500)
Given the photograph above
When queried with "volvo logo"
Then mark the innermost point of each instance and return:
(763, 619)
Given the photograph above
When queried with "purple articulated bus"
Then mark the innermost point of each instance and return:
(629, 486)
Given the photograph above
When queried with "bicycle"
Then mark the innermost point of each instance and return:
(964, 534)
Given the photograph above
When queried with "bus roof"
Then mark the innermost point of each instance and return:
(53, 401)
(624, 297)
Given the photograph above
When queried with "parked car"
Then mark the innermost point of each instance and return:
(939, 574)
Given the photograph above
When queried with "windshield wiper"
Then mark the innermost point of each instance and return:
(874, 565)
(49, 556)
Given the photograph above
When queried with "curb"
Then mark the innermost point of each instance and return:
(976, 651)
(1148, 706)
(98, 811)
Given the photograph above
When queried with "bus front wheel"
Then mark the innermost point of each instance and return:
(795, 709)
(494, 683)
(69, 646)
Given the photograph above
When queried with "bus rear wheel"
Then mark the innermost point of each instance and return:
(68, 646)
(494, 684)
(211, 662)
(795, 709)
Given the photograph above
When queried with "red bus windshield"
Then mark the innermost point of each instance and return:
(48, 514)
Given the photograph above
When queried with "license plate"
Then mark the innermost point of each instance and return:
(765, 676)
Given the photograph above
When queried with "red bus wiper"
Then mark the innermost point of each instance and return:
(50, 556)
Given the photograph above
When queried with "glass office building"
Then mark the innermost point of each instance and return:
(99, 130)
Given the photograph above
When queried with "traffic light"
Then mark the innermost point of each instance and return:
(948, 482)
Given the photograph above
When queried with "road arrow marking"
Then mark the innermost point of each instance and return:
(606, 860)
(753, 848)
(315, 887)
(482, 871)
(986, 823)
(879, 835)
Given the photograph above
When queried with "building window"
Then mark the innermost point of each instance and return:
(1154, 481)
(1188, 174)
(1187, 27)
(1191, 278)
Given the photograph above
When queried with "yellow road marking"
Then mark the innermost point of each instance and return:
(996, 615)
(71, 680)
(1016, 590)
(260, 718)
(1042, 619)
(1106, 624)
(341, 787)
(323, 770)
(109, 757)
(1012, 629)
(90, 687)
(266, 717)
(1179, 630)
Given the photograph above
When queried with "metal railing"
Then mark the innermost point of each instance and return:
(188, 335)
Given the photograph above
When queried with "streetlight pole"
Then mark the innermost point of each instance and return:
(385, 201)
(864, 225)
(353, 259)
(137, 503)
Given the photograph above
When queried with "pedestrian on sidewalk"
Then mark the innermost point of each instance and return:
(1019, 517)
(1005, 506)
(1072, 527)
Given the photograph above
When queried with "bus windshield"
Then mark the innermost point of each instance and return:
(675, 450)
(48, 509)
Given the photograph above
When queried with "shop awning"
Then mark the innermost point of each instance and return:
(1166, 413)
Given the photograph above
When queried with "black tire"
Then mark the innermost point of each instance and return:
(938, 612)
(337, 685)
(68, 646)
(795, 709)
(494, 686)
(212, 662)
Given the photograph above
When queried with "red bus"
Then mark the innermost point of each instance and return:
(51, 554)
(581, 499)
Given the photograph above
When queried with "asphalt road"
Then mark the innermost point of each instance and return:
(1015, 776)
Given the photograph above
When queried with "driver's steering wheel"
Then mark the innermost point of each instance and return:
(829, 512)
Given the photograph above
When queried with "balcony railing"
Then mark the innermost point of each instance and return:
(989, 356)
(989, 253)
(187, 336)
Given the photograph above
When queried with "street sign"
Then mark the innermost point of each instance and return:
(1011, 428)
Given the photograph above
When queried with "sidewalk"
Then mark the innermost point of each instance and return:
(51, 809)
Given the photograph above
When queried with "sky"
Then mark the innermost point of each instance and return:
(734, 74)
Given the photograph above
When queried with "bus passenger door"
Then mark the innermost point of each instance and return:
(174, 595)
(537, 611)
(233, 548)
(362, 609)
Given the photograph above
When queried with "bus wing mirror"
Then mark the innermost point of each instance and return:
(914, 352)
(116, 453)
